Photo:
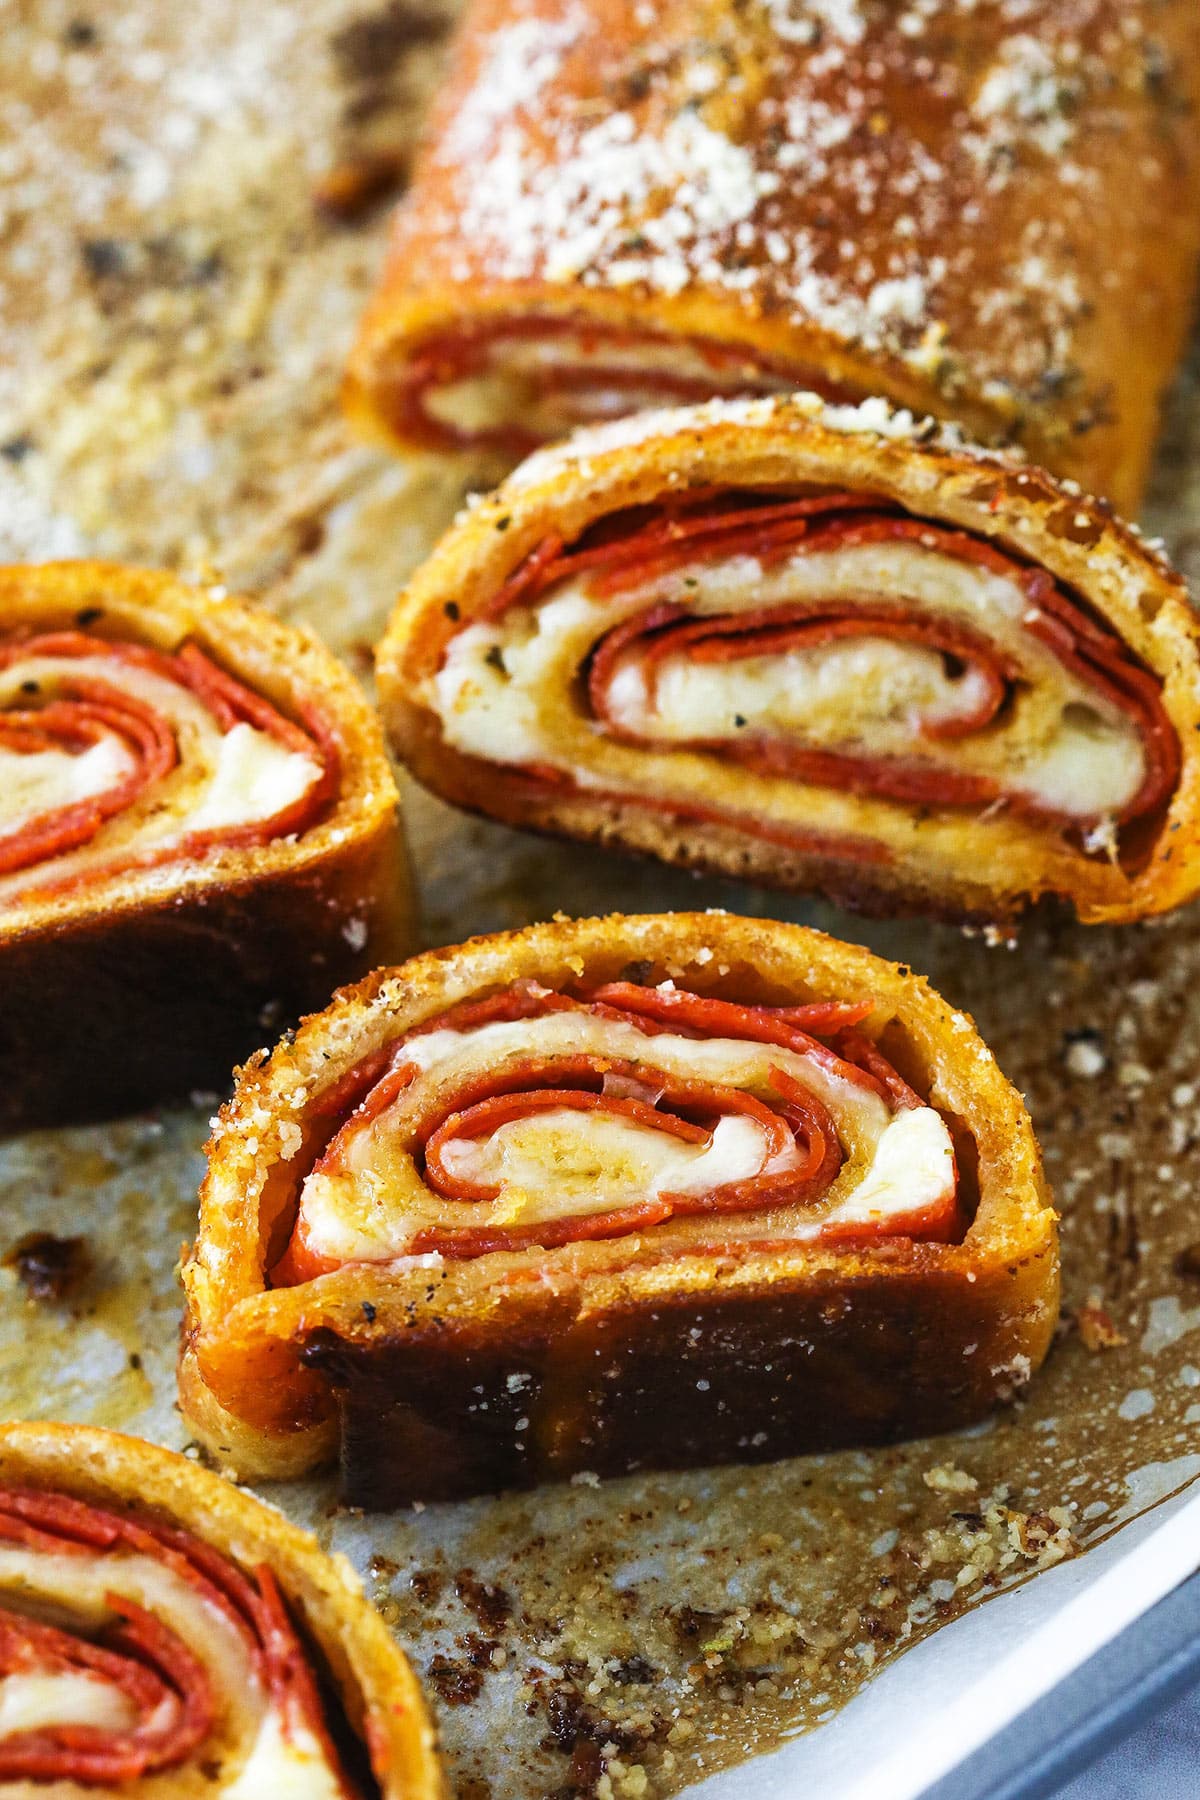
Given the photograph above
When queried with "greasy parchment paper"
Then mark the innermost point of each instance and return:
(174, 309)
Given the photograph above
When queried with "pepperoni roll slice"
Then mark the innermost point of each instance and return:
(625, 205)
(164, 1634)
(817, 647)
(607, 1194)
(198, 837)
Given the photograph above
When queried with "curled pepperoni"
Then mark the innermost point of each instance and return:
(664, 631)
(145, 1662)
(445, 358)
(93, 713)
(799, 1134)
(86, 710)
(798, 1118)
(141, 1655)
(630, 549)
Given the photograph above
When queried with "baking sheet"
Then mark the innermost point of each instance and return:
(173, 315)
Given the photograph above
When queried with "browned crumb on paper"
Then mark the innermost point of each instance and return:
(1095, 1326)
(624, 1692)
(49, 1268)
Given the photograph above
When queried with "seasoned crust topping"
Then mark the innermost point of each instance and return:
(919, 181)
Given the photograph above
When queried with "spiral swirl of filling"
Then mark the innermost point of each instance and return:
(519, 381)
(129, 1648)
(824, 644)
(538, 1117)
(115, 755)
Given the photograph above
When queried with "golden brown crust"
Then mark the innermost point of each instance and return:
(893, 200)
(384, 1363)
(951, 865)
(378, 1690)
(141, 985)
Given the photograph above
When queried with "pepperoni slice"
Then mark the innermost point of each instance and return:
(629, 550)
(86, 710)
(141, 1655)
(799, 1134)
(446, 358)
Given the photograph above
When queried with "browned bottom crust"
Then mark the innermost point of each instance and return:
(111, 1012)
(695, 1378)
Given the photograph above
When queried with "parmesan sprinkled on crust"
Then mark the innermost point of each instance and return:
(843, 164)
(872, 417)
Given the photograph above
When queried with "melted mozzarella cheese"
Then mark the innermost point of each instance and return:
(574, 1163)
(911, 1170)
(44, 780)
(255, 777)
(499, 712)
(285, 1764)
(1089, 767)
(29, 1702)
(506, 690)
(570, 1164)
(224, 779)
(835, 692)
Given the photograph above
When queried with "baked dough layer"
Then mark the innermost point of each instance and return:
(146, 959)
(623, 205)
(672, 1345)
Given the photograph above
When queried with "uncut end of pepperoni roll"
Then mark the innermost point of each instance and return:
(622, 205)
(199, 837)
(819, 647)
(610, 1194)
(163, 1634)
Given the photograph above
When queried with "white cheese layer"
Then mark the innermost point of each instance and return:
(29, 1702)
(250, 1753)
(913, 1165)
(222, 780)
(832, 691)
(508, 691)
(283, 1767)
(255, 777)
(571, 1164)
(552, 383)
(574, 1163)
(44, 780)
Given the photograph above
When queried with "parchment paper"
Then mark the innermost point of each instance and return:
(174, 310)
